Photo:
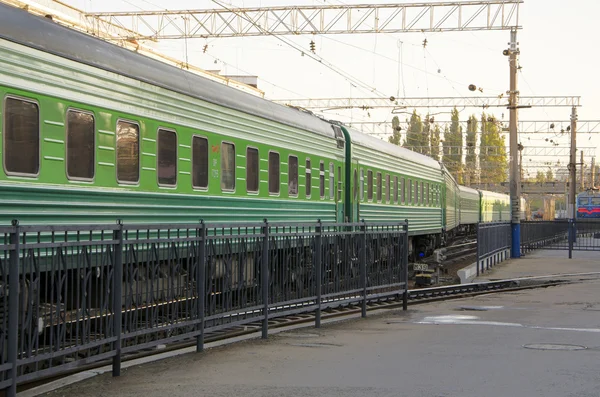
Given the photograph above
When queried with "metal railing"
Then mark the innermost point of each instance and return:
(95, 293)
(493, 244)
(581, 235)
(586, 235)
(544, 234)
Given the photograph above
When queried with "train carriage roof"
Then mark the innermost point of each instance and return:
(23, 28)
(465, 189)
(362, 139)
(494, 195)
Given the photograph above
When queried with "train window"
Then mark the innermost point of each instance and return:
(409, 192)
(21, 137)
(252, 170)
(428, 198)
(355, 185)
(362, 185)
(128, 152)
(308, 178)
(416, 192)
(200, 162)
(331, 181)
(322, 179)
(387, 188)
(274, 173)
(369, 185)
(293, 176)
(81, 153)
(402, 190)
(422, 192)
(595, 201)
(395, 190)
(166, 160)
(379, 187)
(227, 166)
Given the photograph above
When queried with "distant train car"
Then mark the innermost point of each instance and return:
(494, 207)
(523, 210)
(588, 204)
(469, 208)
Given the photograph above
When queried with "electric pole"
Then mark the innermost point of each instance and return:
(573, 165)
(515, 177)
(573, 180)
(593, 173)
(581, 173)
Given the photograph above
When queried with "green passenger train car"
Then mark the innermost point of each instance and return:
(392, 183)
(93, 132)
(469, 207)
(494, 207)
(452, 202)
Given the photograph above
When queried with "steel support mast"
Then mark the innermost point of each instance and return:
(515, 177)
(572, 208)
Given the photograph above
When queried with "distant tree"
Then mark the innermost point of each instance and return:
(453, 144)
(540, 177)
(414, 133)
(471, 157)
(425, 141)
(549, 175)
(396, 135)
(434, 142)
(493, 160)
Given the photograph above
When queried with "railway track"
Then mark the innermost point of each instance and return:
(415, 297)
(460, 251)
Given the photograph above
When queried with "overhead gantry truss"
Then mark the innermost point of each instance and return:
(316, 19)
(528, 151)
(524, 127)
(432, 102)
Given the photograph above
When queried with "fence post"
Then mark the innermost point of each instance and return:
(477, 230)
(117, 298)
(13, 308)
(405, 266)
(201, 286)
(363, 268)
(572, 232)
(265, 280)
(318, 271)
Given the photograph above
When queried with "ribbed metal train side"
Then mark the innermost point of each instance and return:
(495, 207)
(452, 202)
(469, 205)
(57, 84)
(419, 194)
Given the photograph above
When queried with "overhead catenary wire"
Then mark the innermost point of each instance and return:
(348, 77)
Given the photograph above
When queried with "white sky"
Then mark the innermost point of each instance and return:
(558, 57)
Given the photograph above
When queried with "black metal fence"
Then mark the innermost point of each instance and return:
(493, 244)
(544, 234)
(581, 235)
(74, 295)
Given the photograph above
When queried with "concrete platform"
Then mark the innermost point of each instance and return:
(539, 342)
(544, 262)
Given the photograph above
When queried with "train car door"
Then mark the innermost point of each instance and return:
(339, 191)
(357, 191)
